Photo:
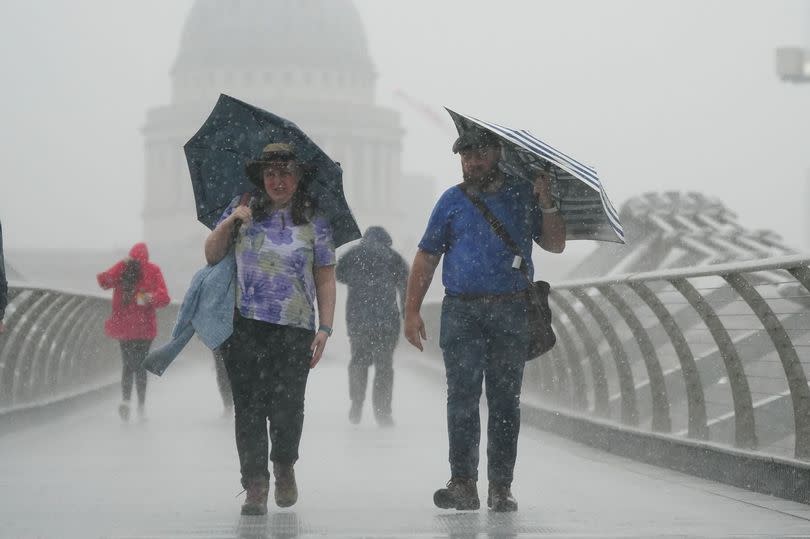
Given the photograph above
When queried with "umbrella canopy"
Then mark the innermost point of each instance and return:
(235, 133)
(584, 205)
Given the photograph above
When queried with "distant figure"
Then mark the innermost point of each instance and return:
(138, 289)
(223, 383)
(3, 284)
(374, 272)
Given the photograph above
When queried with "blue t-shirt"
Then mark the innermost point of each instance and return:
(476, 260)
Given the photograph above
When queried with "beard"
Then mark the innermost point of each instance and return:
(481, 180)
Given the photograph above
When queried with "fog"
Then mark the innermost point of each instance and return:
(667, 95)
(671, 95)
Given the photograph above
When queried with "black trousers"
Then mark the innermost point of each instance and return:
(133, 353)
(372, 347)
(268, 366)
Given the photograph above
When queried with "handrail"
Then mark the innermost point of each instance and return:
(749, 266)
(709, 353)
(54, 346)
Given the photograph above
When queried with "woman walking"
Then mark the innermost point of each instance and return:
(138, 290)
(285, 260)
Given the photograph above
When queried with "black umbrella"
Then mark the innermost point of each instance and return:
(235, 133)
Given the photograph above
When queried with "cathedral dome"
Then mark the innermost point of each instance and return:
(274, 34)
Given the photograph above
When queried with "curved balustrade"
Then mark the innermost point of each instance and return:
(54, 346)
(718, 353)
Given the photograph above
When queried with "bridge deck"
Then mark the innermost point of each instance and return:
(83, 474)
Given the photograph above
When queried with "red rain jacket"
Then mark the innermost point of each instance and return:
(133, 321)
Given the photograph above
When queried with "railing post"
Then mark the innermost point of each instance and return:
(626, 383)
(601, 401)
(695, 400)
(744, 429)
(796, 379)
(661, 421)
(14, 340)
(580, 387)
(57, 350)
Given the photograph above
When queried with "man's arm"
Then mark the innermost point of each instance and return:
(424, 265)
(553, 236)
(402, 282)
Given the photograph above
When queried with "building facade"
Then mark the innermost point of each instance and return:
(305, 60)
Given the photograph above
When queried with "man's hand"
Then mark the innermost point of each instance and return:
(553, 237)
(415, 329)
(542, 189)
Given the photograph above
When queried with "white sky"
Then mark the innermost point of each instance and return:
(658, 95)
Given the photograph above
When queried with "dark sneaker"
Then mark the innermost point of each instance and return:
(356, 412)
(286, 489)
(256, 501)
(123, 411)
(460, 494)
(500, 499)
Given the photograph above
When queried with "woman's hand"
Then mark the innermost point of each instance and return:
(221, 238)
(317, 346)
(241, 214)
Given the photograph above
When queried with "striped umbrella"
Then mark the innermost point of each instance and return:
(588, 213)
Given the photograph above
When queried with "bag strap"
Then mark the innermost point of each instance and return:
(497, 226)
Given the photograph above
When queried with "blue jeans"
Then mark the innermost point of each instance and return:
(483, 339)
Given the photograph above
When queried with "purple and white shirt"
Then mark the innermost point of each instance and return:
(274, 267)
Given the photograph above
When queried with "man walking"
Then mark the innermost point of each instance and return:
(374, 273)
(484, 332)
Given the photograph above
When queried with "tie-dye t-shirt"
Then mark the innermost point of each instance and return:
(274, 267)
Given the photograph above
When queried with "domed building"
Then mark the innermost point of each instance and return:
(306, 61)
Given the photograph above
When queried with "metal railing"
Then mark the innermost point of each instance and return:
(54, 346)
(717, 353)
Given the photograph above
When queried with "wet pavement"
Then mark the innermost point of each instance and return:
(175, 475)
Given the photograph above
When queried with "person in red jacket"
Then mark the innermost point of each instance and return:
(138, 289)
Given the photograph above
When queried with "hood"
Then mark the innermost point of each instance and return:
(377, 234)
(139, 252)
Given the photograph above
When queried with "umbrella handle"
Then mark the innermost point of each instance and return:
(237, 224)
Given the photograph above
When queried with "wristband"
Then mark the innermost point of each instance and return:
(325, 329)
(553, 209)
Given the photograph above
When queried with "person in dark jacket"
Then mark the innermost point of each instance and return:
(3, 284)
(374, 273)
(138, 289)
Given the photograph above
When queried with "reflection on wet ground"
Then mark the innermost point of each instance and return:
(83, 474)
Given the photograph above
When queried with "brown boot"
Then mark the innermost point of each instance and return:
(500, 498)
(256, 501)
(460, 494)
(286, 488)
